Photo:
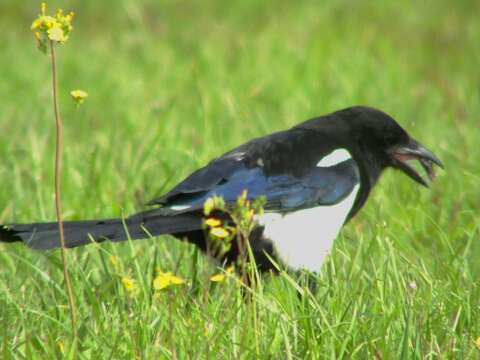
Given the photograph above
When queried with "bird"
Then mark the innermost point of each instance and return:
(314, 177)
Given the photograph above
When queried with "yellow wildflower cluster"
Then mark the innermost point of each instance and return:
(165, 279)
(216, 228)
(215, 225)
(51, 28)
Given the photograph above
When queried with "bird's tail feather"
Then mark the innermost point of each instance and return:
(44, 236)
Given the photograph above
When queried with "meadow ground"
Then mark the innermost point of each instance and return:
(173, 84)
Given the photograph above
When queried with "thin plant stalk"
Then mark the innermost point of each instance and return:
(58, 202)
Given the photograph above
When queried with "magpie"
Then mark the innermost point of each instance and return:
(315, 177)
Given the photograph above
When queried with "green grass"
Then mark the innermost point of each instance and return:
(173, 84)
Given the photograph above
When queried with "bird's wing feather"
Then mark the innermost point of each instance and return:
(284, 167)
(204, 179)
(284, 193)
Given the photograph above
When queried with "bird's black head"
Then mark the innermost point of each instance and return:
(380, 140)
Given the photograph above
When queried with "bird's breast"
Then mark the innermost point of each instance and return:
(303, 238)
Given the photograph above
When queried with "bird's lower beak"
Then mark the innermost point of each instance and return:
(415, 151)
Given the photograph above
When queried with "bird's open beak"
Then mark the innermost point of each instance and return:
(415, 151)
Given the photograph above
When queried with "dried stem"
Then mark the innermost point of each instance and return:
(58, 204)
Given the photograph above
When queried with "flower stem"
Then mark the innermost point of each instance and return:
(58, 203)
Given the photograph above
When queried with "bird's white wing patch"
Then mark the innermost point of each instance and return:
(303, 238)
(334, 158)
(179, 207)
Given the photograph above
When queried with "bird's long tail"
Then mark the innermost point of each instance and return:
(44, 236)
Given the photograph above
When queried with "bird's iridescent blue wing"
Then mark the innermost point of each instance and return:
(284, 193)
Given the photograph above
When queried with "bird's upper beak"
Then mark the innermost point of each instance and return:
(415, 151)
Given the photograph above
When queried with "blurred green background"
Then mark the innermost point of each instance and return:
(173, 84)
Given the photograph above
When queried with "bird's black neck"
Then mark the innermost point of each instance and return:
(370, 172)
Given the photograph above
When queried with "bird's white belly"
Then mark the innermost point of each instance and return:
(303, 238)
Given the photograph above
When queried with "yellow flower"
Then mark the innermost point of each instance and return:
(69, 17)
(166, 279)
(217, 278)
(477, 342)
(56, 34)
(206, 329)
(129, 284)
(208, 206)
(114, 261)
(219, 232)
(51, 28)
(78, 96)
(212, 222)
(43, 22)
(221, 276)
(61, 346)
